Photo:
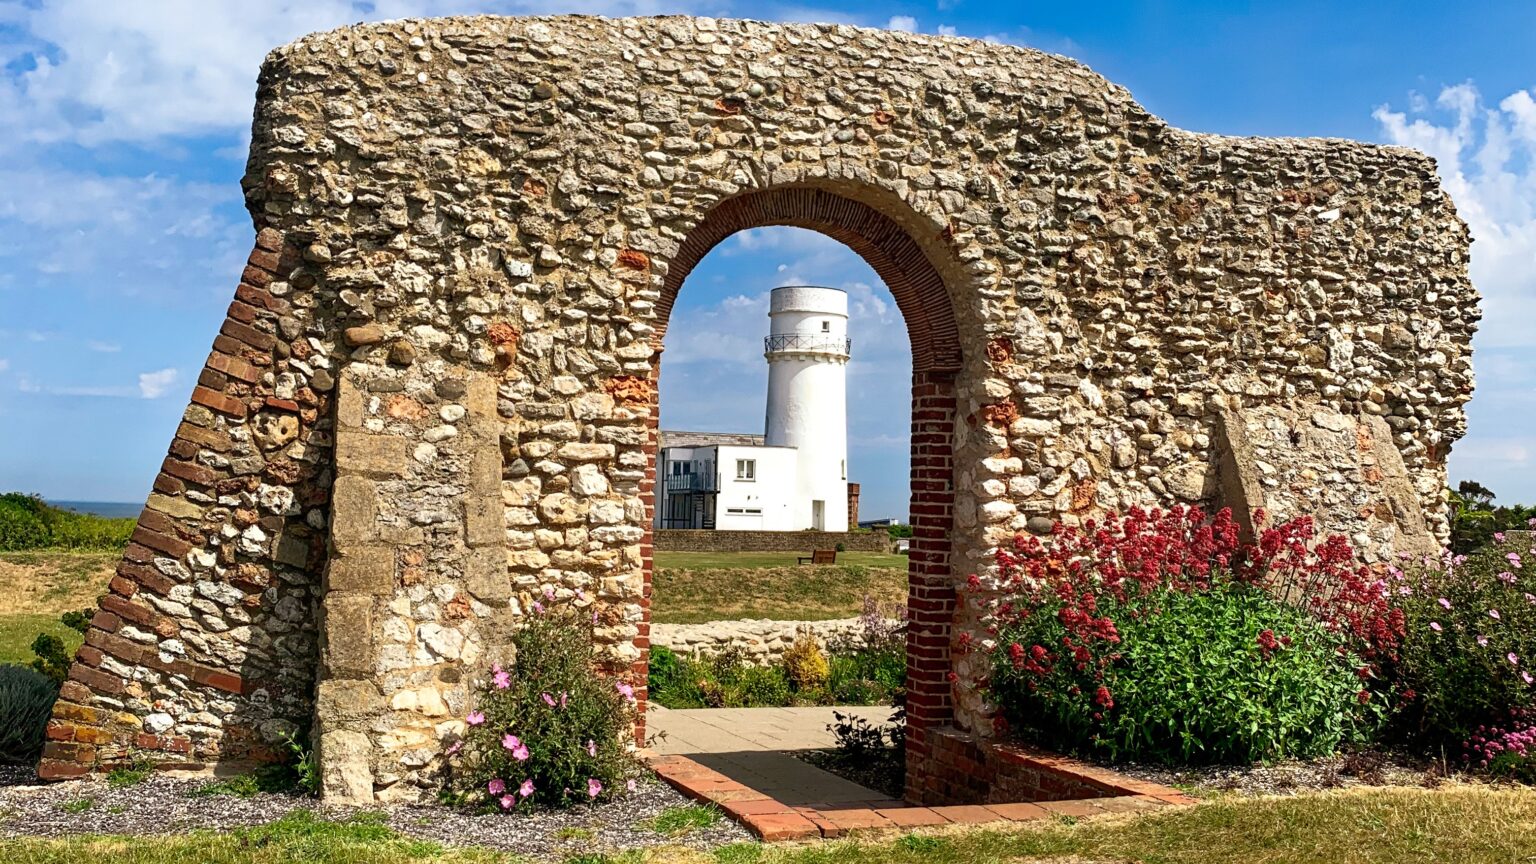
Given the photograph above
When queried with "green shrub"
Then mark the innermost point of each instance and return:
(52, 659)
(550, 729)
(1469, 656)
(26, 701)
(27, 522)
(20, 527)
(1227, 675)
(806, 664)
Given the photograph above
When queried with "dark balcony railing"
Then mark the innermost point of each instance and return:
(692, 483)
(816, 343)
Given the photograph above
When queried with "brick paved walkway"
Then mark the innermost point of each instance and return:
(736, 759)
(750, 746)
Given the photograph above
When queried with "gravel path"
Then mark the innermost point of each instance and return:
(164, 805)
(1367, 768)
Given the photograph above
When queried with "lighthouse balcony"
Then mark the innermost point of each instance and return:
(807, 343)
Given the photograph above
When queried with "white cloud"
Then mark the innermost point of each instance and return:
(4, 364)
(97, 72)
(153, 385)
(148, 234)
(1487, 160)
(104, 347)
(904, 23)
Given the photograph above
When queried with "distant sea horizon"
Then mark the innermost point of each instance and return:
(104, 509)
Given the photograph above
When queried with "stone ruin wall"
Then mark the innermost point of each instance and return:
(433, 397)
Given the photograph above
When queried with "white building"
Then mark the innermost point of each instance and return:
(794, 476)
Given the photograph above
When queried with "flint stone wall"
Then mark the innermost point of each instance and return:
(433, 397)
(761, 642)
(804, 542)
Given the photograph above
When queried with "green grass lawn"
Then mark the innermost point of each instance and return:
(692, 595)
(18, 631)
(1461, 824)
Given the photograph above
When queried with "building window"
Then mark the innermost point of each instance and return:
(826, 326)
(844, 465)
(746, 469)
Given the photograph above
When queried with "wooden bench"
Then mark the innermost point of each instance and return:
(820, 556)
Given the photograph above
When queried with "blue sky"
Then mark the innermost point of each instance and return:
(123, 129)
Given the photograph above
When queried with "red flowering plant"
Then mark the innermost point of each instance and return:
(1158, 635)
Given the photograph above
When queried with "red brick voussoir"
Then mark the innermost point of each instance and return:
(89, 730)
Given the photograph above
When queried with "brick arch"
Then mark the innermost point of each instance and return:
(921, 294)
(890, 250)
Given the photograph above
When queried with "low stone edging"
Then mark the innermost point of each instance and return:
(761, 641)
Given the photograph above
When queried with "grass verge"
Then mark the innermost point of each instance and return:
(692, 595)
(1464, 824)
(17, 633)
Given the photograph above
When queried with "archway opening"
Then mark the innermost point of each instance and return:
(891, 252)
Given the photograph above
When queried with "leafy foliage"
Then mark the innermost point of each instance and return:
(805, 663)
(52, 658)
(27, 522)
(1475, 520)
(1158, 636)
(26, 701)
(548, 729)
(859, 673)
(1471, 641)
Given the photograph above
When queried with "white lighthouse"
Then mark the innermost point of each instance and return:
(807, 349)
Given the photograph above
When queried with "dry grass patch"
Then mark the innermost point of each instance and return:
(696, 595)
(51, 582)
(36, 587)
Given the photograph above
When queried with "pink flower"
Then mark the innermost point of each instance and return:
(454, 748)
(497, 786)
(548, 699)
(526, 789)
(520, 753)
(592, 748)
(507, 801)
(630, 785)
(549, 592)
(500, 678)
(1498, 536)
(537, 606)
(1514, 559)
(565, 698)
(581, 595)
(475, 718)
(1513, 659)
(626, 691)
(1444, 602)
(1482, 641)
(1435, 626)
(511, 742)
(594, 788)
(1526, 676)
(1494, 614)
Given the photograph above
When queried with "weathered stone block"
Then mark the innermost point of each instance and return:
(485, 576)
(373, 455)
(349, 635)
(363, 569)
(341, 701)
(354, 511)
(346, 767)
